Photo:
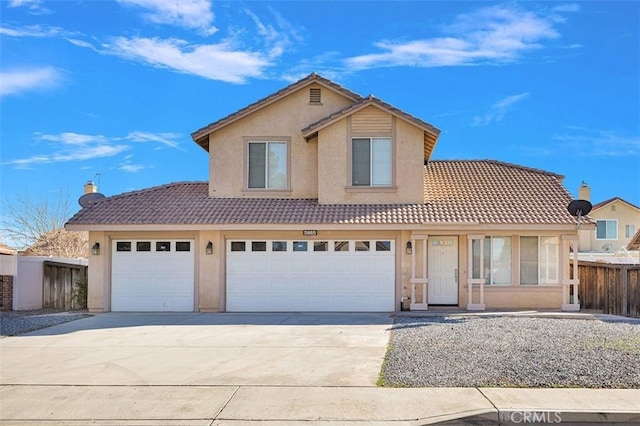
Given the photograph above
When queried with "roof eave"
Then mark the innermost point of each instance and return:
(201, 133)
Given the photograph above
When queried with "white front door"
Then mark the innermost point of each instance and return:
(443, 270)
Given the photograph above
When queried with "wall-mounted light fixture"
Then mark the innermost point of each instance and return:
(409, 249)
(95, 250)
(209, 249)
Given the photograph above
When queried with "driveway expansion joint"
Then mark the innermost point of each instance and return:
(215, 417)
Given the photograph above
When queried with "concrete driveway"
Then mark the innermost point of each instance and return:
(201, 349)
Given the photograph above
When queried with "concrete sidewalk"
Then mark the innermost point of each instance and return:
(235, 405)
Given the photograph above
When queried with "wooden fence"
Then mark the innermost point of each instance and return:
(60, 285)
(610, 288)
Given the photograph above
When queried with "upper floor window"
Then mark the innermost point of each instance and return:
(267, 165)
(607, 229)
(629, 231)
(371, 162)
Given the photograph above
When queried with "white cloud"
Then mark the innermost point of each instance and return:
(573, 7)
(168, 139)
(190, 14)
(213, 61)
(71, 146)
(498, 110)
(32, 31)
(496, 34)
(87, 152)
(80, 43)
(35, 6)
(581, 141)
(17, 81)
(70, 138)
(131, 168)
(228, 60)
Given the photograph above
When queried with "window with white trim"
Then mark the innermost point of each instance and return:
(267, 165)
(539, 260)
(496, 260)
(606, 229)
(371, 162)
(629, 231)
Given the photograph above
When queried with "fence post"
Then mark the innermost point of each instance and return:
(625, 289)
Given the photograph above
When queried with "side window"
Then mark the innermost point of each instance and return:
(183, 246)
(278, 246)
(362, 245)
(320, 246)
(123, 246)
(300, 246)
(341, 246)
(143, 246)
(258, 246)
(238, 246)
(163, 246)
(383, 245)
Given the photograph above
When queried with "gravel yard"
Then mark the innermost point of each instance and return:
(512, 352)
(18, 322)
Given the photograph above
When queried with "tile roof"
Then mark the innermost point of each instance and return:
(484, 191)
(363, 103)
(199, 135)
(611, 200)
(489, 191)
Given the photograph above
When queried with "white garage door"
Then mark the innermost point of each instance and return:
(152, 275)
(320, 276)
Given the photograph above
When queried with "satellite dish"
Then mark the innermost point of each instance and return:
(579, 208)
(90, 198)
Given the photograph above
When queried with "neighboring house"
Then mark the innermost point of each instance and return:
(319, 199)
(617, 222)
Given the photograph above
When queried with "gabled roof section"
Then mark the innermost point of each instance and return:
(200, 135)
(473, 192)
(634, 243)
(431, 133)
(611, 200)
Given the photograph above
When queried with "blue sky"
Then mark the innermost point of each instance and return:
(110, 91)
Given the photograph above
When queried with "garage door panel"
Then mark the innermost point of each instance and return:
(311, 281)
(300, 265)
(320, 264)
(279, 265)
(152, 280)
(342, 265)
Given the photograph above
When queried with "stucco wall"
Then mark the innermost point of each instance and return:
(8, 264)
(334, 186)
(210, 273)
(27, 285)
(284, 118)
(623, 213)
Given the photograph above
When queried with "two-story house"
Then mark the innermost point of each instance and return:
(617, 222)
(319, 199)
